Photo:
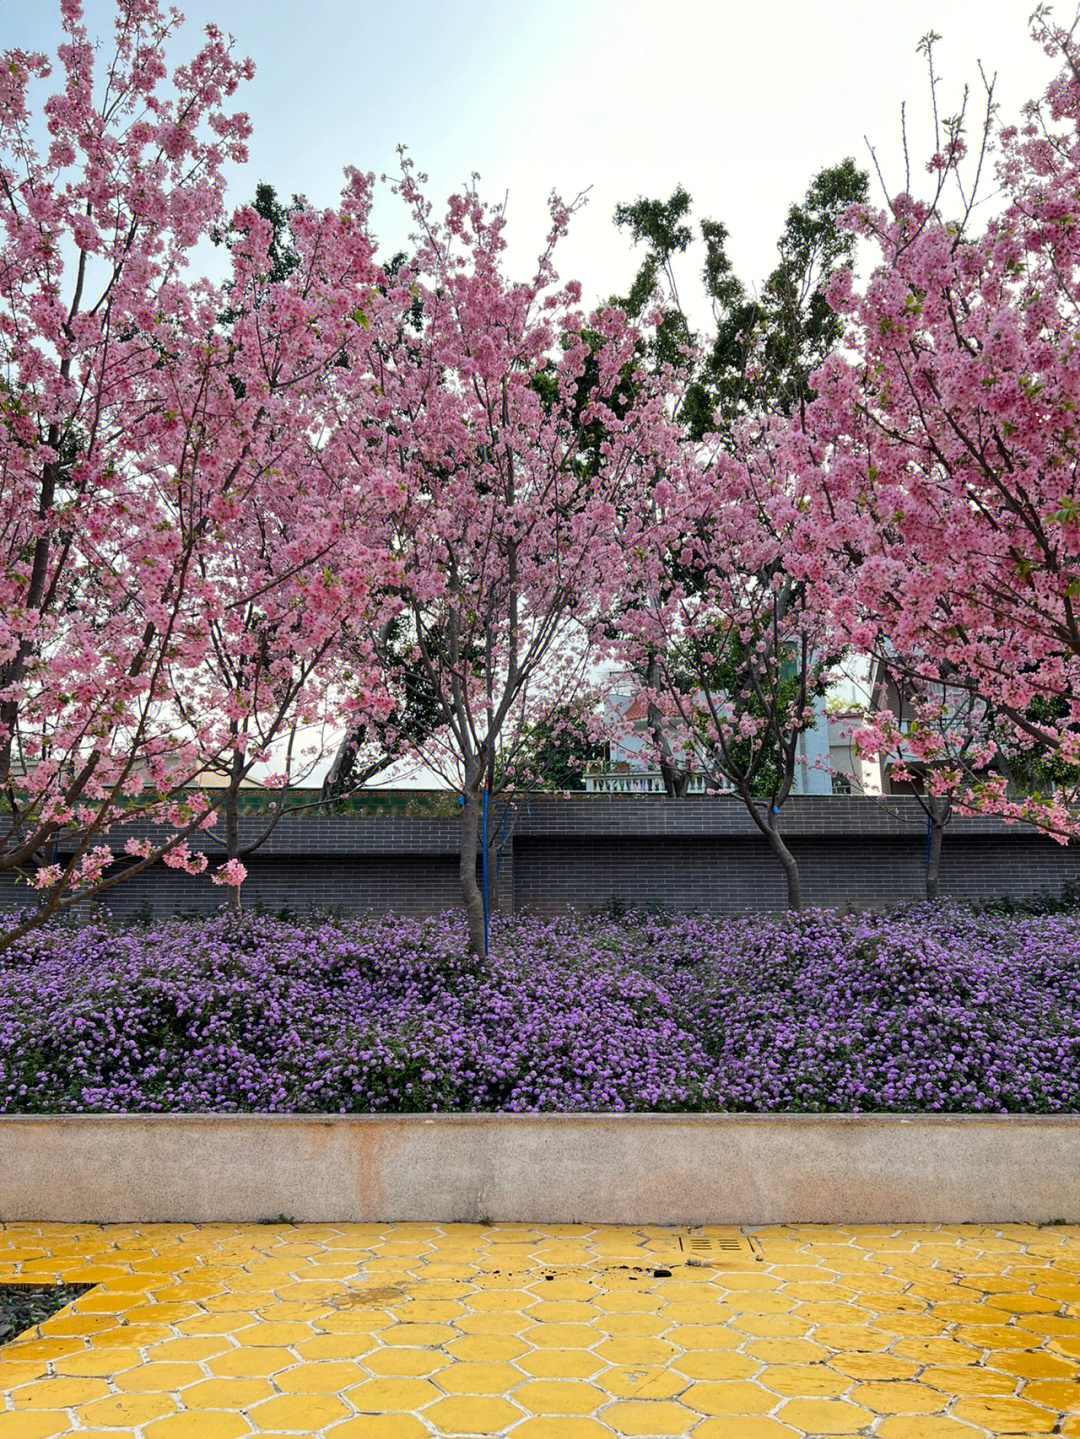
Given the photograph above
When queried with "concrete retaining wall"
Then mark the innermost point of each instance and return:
(647, 1168)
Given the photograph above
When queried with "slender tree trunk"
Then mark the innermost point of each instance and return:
(790, 867)
(933, 860)
(232, 837)
(675, 779)
(493, 861)
(471, 897)
(937, 817)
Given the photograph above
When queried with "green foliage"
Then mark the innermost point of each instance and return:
(786, 332)
(373, 746)
(1039, 768)
(757, 685)
(593, 434)
(1046, 902)
(660, 226)
(283, 257)
(557, 750)
(22, 1306)
(759, 357)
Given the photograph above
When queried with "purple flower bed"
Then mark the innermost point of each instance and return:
(923, 1009)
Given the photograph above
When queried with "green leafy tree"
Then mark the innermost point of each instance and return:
(373, 747)
(745, 670)
(758, 357)
(762, 349)
(1039, 769)
(555, 753)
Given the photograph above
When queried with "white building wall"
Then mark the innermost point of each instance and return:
(813, 774)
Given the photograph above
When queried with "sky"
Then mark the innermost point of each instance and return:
(739, 103)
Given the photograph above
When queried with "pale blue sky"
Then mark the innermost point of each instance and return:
(740, 103)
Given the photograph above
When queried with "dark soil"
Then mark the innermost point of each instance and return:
(24, 1305)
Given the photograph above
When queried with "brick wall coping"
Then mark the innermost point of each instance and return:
(591, 816)
(835, 815)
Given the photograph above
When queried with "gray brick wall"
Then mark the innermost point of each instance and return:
(591, 853)
(731, 876)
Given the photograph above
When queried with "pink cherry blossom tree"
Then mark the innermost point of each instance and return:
(175, 565)
(516, 438)
(941, 742)
(292, 658)
(940, 512)
(739, 651)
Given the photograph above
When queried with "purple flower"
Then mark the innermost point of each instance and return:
(929, 1008)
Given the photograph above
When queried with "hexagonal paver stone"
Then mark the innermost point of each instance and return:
(741, 1428)
(466, 1378)
(649, 1417)
(901, 1398)
(649, 1382)
(36, 1424)
(804, 1381)
(379, 1426)
(825, 1416)
(251, 1362)
(557, 1396)
(925, 1426)
(1006, 1416)
(198, 1426)
(487, 1348)
(561, 1363)
(61, 1393)
(303, 1412)
(561, 1428)
(118, 1409)
(327, 1376)
(472, 1414)
(418, 1336)
(227, 1393)
(730, 1398)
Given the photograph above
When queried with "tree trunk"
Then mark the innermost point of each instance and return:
(933, 860)
(471, 897)
(675, 779)
(790, 867)
(667, 774)
(232, 833)
(937, 817)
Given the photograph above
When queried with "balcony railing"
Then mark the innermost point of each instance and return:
(641, 781)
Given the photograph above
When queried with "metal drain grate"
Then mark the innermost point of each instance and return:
(706, 1246)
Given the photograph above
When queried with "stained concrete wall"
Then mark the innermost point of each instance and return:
(624, 1169)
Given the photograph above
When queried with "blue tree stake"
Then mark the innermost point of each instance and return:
(484, 863)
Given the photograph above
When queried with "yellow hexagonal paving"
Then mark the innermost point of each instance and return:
(409, 1331)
